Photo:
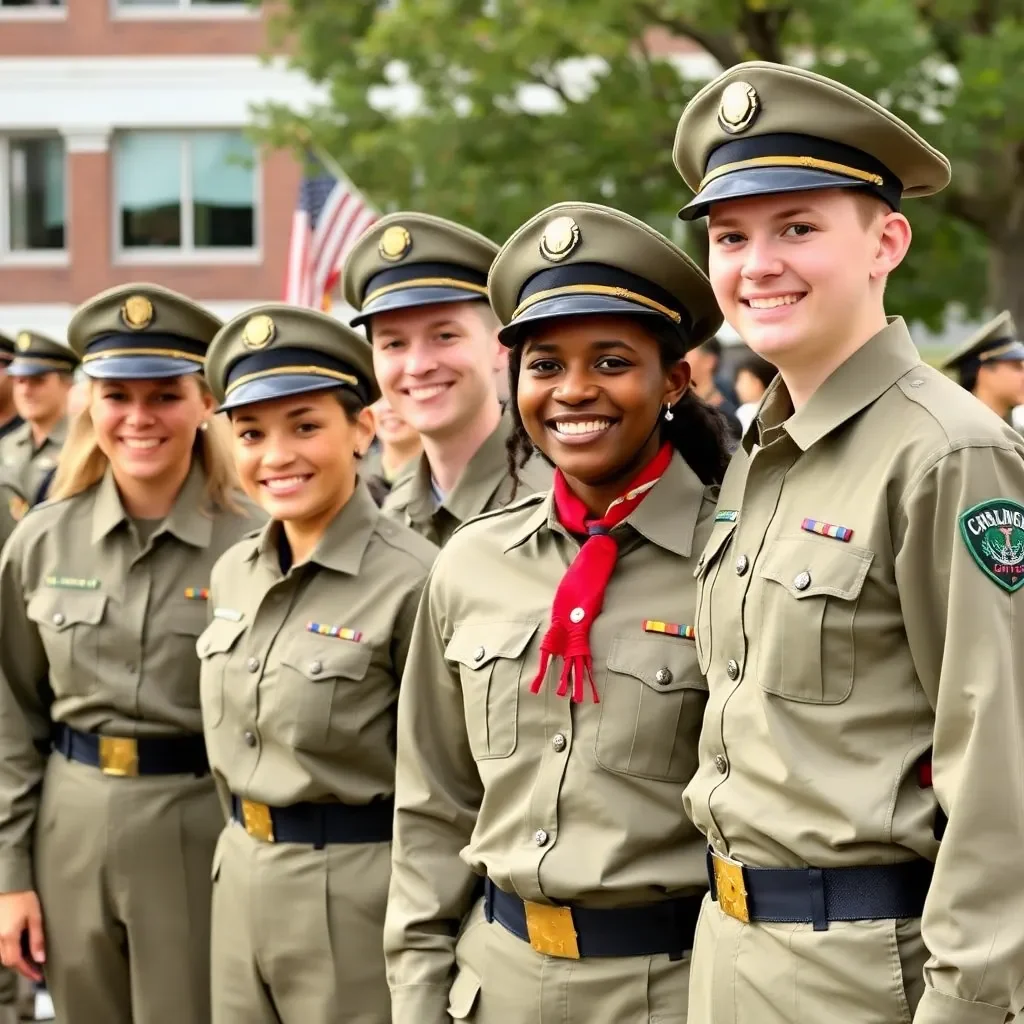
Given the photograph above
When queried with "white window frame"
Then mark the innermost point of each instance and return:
(184, 10)
(29, 257)
(187, 253)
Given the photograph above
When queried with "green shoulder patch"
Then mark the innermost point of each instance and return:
(726, 515)
(994, 534)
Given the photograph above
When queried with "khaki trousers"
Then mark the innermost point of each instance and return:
(123, 873)
(298, 932)
(856, 972)
(501, 980)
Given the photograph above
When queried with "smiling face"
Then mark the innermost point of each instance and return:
(591, 392)
(147, 428)
(800, 275)
(296, 456)
(436, 365)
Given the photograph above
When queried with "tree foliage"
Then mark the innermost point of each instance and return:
(486, 111)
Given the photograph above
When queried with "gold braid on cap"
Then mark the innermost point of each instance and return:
(811, 162)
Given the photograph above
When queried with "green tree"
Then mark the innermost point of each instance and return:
(487, 110)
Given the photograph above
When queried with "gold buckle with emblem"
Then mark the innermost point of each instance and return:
(731, 888)
(119, 756)
(551, 930)
(257, 820)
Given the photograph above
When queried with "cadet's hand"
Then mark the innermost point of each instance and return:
(20, 913)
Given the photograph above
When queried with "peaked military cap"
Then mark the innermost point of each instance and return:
(141, 332)
(995, 342)
(7, 348)
(276, 351)
(414, 259)
(575, 259)
(763, 128)
(36, 354)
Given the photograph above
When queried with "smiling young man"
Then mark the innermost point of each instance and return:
(43, 372)
(420, 285)
(861, 783)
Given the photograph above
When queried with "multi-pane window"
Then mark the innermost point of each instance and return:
(186, 191)
(32, 169)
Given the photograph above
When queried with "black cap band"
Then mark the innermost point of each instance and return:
(172, 346)
(293, 362)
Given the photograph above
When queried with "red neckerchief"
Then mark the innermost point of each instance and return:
(580, 594)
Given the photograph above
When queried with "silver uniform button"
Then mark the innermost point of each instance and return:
(802, 581)
(540, 837)
(478, 654)
(663, 676)
(721, 764)
(732, 668)
(253, 664)
(558, 742)
(577, 615)
(58, 619)
(315, 668)
(742, 565)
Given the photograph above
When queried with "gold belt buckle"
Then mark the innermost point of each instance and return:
(119, 756)
(257, 820)
(552, 931)
(732, 888)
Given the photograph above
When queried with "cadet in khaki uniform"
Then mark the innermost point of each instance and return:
(13, 507)
(990, 364)
(9, 418)
(859, 599)
(103, 591)
(311, 624)
(43, 374)
(550, 715)
(419, 284)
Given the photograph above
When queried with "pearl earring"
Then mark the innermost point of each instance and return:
(669, 414)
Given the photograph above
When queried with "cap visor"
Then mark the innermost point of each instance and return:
(763, 181)
(1015, 354)
(571, 305)
(138, 368)
(408, 298)
(269, 389)
(19, 369)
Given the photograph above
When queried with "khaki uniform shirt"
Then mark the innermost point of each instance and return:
(552, 800)
(19, 453)
(293, 715)
(485, 485)
(834, 666)
(108, 624)
(13, 505)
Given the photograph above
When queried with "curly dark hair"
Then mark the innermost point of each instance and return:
(699, 432)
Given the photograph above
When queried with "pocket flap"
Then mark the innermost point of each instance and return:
(188, 618)
(476, 644)
(665, 664)
(320, 659)
(817, 568)
(61, 609)
(219, 637)
(720, 534)
(462, 995)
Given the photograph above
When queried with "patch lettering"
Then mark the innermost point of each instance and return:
(994, 534)
(71, 583)
(727, 515)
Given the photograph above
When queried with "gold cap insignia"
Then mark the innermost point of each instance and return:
(24, 341)
(394, 244)
(17, 507)
(258, 331)
(738, 108)
(137, 312)
(560, 237)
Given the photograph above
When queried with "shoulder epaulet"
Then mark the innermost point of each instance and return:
(520, 503)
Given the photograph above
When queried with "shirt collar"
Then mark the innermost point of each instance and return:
(189, 519)
(852, 387)
(668, 516)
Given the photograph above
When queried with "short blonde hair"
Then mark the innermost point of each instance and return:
(82, 462)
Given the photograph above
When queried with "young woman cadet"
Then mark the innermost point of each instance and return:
(109, 838)
(301, 664)
(551, 721)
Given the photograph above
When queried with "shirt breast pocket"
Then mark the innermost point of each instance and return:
(214, 648)
(652, 705)
(68, 622)
(706, 573)
(490, 660)
(316, 676)
(810, 592)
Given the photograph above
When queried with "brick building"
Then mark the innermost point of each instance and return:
(123, 155)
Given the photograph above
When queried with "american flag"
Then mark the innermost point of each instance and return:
(331, 215)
